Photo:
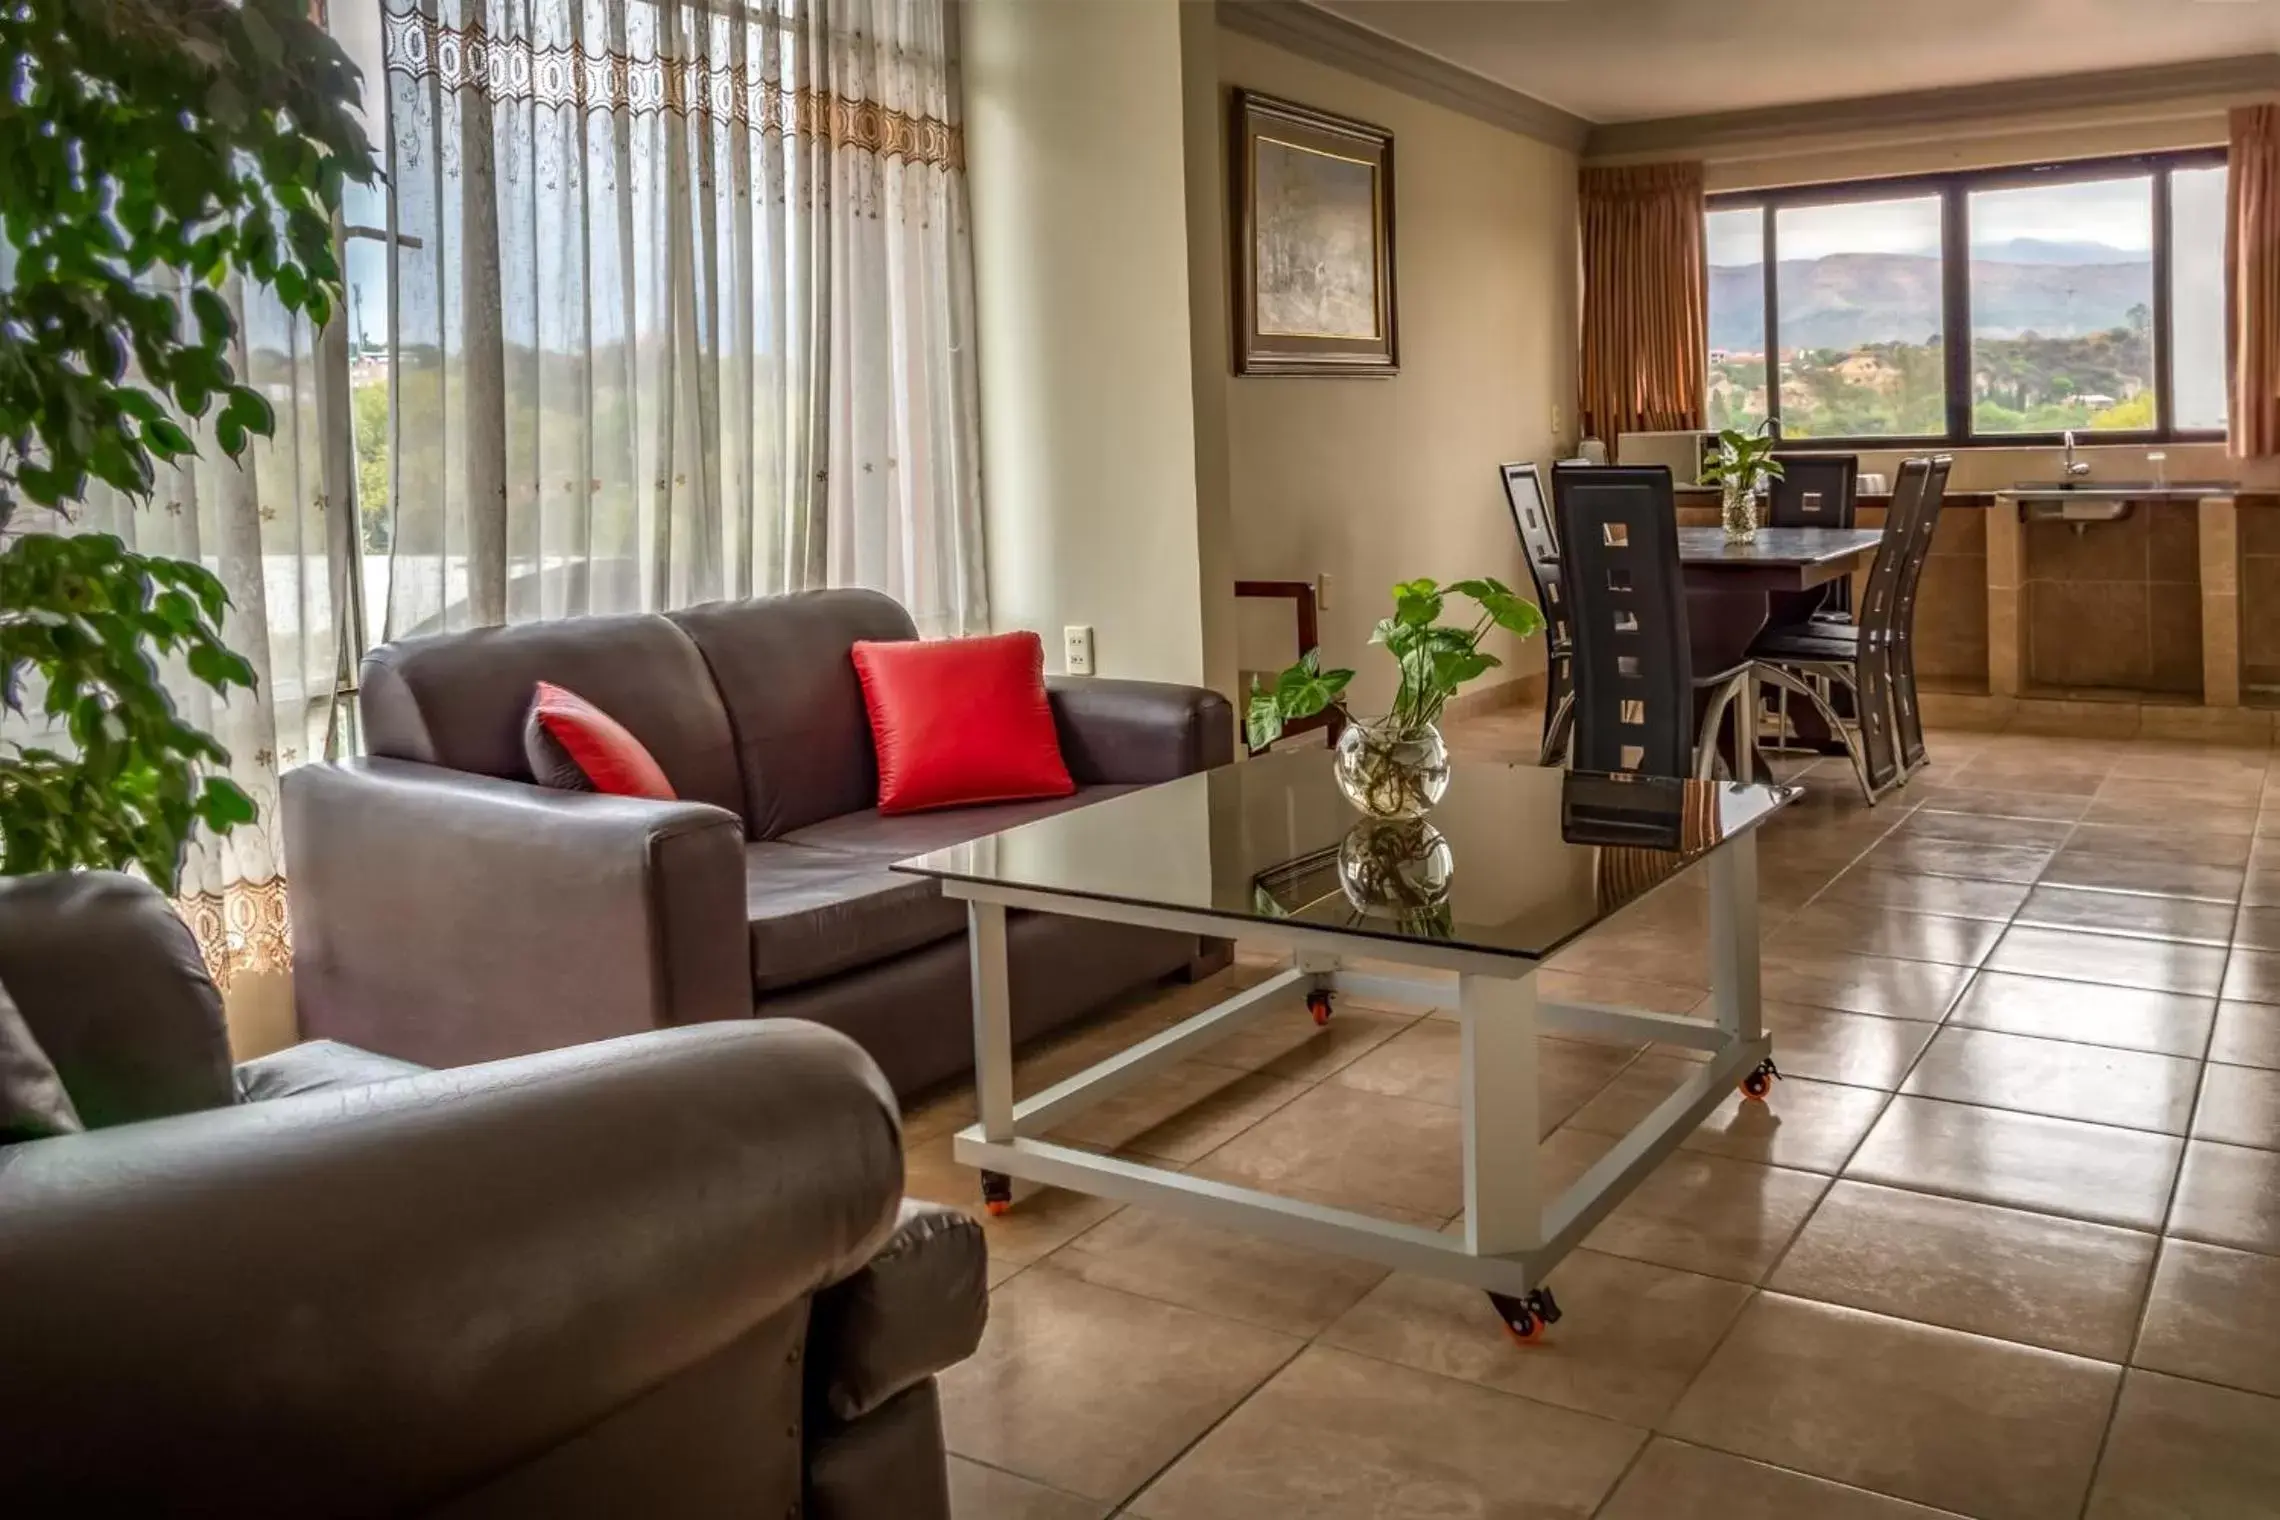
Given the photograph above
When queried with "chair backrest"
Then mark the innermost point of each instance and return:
(1540, 544)
(1634, 677)
(1815, 491)
(1908, 720)
(1880, 603)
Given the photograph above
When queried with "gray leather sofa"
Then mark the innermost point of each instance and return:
(668, 1275)
(447, 910)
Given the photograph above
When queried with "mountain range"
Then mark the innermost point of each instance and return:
(1842, 300)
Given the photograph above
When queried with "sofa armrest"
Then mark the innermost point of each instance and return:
(917, 1306)
(1139, 731)
(361, 1302)
(447, 918)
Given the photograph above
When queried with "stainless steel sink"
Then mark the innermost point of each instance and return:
(2030, 490)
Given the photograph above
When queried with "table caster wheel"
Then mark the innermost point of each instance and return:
(1526, 1317)
(1760, 1081)
(1318, 1004)
(997, 1193)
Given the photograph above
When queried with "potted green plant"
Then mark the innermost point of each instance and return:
(152, 150)
(1741, 467)
(1396, 766)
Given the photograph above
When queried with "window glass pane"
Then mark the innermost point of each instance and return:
(1736, 392)
(2062, 306)
(1858, 319)
(2197, 297)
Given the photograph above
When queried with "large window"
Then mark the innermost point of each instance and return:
(2008, 305)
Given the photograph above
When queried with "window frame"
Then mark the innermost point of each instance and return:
(1952, 189)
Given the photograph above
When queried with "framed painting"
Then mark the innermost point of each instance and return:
(1313, 241)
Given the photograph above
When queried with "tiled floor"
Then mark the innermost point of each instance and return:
(2006, 1243)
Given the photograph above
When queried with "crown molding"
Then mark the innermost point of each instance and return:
(1310, 32)
(2110, 89)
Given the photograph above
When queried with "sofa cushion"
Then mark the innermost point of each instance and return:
(803, 741)
(916, 1307)
(459, 699)
(316, 1066)
(959, 722)
(815, 913)
(33, 1104)
(574, 746)
(886, 838)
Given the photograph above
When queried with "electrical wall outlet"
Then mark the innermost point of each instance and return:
(1076, 650)
(1322, 593)
(1559, 418)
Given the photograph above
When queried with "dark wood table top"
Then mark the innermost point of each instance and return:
(1778, 559)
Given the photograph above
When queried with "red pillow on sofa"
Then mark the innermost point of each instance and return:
(959, 721)
(573, 744)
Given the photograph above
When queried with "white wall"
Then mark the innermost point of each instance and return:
(1375, 481)
(1074, 147)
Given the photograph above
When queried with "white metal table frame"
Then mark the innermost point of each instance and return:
(1513, 1234)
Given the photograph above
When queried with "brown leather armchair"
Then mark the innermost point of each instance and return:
(664, 1275)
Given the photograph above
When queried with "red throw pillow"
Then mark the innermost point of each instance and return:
(959, 721)
(573, 744)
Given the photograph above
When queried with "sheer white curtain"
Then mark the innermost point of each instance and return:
(689, 313)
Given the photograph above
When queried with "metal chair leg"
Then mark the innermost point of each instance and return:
(1713, 718)
(1788, 680)
(1559, 733)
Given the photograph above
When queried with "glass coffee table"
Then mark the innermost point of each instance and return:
(1516, 863)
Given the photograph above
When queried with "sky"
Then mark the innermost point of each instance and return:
(2116, 213)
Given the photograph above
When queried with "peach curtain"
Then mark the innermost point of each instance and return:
(2252, 291)
(1646, 325)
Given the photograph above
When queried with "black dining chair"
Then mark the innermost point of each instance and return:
(1859, 659)
(1815, 491)
(1908, 722)
(1540, 546)
(1639, 706)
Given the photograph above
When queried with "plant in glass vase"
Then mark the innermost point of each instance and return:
(1743, 464)
(1396, 766)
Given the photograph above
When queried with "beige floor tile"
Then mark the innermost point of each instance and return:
(2144, 810)
(1960, 857)
(1425, 1062)
(1872, 984)
(1342, 1437)
(1181, 1113)
(1823, 1045)
(1089, 1391)
(2056, 1166)
(1875, 886)
(2260, 889)
(985, 1493)
(2083, 868)
(2240, 1105)
(2097, 1084)
(1042, 1219)
(2214, 1315)
(1833, 929)
(2257, 927)
(2187, 1451)
(2003, 804)
(2253, 976)
(2229, 1194)
(1812, 1126)
(2164, 965)
(1929, 822)
(1631, 1337)
(1353, 1150)
(2247, 1034)
(1711, 1214)
(1154, 1255)
(2166, 844)
(1675, 1481)
(1287, 1043)
(2129, 913)
(2063, 1284)
(1557, 984)
(1880, 1403)
(2134, 1018)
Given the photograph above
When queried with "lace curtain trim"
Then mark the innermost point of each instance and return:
(240, 929)
(468, 57)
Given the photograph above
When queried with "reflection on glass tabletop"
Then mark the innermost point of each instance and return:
(1516, 860)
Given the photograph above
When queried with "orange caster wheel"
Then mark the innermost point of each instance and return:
(997, 1193)
(1526, 1317)
(1760, 1081)
(1318, 1004)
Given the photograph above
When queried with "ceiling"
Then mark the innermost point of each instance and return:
(1636, 60)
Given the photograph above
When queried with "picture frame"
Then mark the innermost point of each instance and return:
(1313, 261)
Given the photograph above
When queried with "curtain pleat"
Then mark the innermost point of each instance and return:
(691, 314)
(2252, 289)
(1646, 323)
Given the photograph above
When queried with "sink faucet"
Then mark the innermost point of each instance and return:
(2075, 468)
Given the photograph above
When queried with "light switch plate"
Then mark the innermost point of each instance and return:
(1076, 649)
(1322, 593)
